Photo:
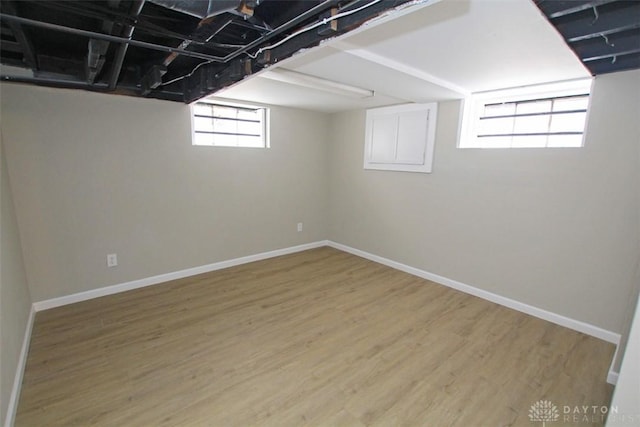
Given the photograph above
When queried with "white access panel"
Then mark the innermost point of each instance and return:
(412, 138)
(400, 138)
(385, 128)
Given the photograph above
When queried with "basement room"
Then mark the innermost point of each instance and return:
(320, 213)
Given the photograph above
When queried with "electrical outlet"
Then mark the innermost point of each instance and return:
(299, 226)
(112, 260)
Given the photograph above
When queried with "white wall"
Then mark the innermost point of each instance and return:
(626, 396)
(15, 301)
(94, 174)
(553, 228)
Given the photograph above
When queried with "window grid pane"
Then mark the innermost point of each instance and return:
(533, 107)
(506, 109)
(223, 125)
(545, 122)
(573, 103)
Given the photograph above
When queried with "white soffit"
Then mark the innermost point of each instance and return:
(476, 44)
(366, 72)
(437, 52)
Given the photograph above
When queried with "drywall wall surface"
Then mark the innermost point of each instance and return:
(15, 301)
(553, 228)
(625, 404)
(96, 174)
(628, 315)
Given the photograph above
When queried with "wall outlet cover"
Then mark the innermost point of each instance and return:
(112, 260)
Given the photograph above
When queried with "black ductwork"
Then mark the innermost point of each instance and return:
(200, 8)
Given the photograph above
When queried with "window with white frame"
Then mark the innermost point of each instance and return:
(552, 115)
(223, 125)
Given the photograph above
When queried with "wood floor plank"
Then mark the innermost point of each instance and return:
(314, 338)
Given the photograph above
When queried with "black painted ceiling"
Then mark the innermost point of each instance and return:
(179, 50)
(604, 34)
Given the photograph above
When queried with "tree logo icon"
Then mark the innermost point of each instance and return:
(545, 411)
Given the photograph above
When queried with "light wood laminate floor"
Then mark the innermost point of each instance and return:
(316, 338)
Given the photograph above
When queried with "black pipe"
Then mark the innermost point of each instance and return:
(110, 38)
(81, 84)
(122, 51)
(53, 81)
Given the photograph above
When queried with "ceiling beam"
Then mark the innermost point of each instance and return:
(603, 22)
(107, 37)
(21, 37)
(51, 80)
(327, 4)
(206, 30)
(253, 23)
(608, 65)
(116, 67)
(109, 15)
(556, 9)
(152, 79)
(6, 31)
(601, 47)
(13, 62)
(59, 67)
(95, 59)
(10, 46)
(612, 56)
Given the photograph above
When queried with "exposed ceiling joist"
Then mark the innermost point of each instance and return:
(21, 37)
(556, 9)
(159, 48)
(604, 34)
(596, 23)
(116, 67)
(10, 46)
(626, 62)
(608, 46)
(95, 60)
(107, 37)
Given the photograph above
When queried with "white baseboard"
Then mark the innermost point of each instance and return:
(22, 362)
(567, 322)
(154, 280)
(558, 319)
(612, 376)
(576, 325)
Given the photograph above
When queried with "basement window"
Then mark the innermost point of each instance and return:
(547, 116)
(226, 125)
